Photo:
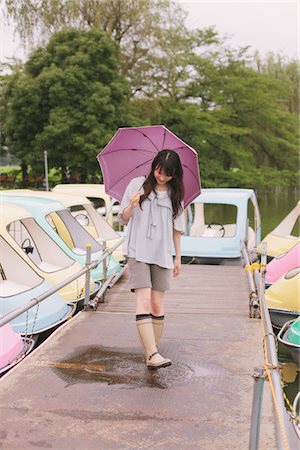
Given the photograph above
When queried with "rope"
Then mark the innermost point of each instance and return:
(254, 266)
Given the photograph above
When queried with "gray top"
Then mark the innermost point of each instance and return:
(149, 236)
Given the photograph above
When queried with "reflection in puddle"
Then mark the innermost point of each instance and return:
(118, 366)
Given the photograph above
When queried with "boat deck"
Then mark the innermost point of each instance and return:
(87, 387)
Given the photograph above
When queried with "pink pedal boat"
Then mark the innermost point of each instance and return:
(12, 347)
(282, 264)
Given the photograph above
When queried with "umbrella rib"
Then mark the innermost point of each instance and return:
(148, 139)
(164, 139)
(190, 172)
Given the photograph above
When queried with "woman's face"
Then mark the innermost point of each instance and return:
(161, 178)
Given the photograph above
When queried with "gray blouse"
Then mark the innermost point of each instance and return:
(149, 236)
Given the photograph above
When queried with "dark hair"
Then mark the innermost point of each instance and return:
(169, 162)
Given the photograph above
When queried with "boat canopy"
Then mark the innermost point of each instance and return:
(286, 226)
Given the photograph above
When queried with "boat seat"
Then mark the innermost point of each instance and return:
(197, 230)
(210, 232)
(78, 251)
(48, 267)
(8, 288)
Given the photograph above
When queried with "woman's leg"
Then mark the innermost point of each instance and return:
(157, 313)
(145, 329)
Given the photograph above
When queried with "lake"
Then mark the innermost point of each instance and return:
(275, 205)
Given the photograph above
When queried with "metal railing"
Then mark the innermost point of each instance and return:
(287, 438)
(86, 270)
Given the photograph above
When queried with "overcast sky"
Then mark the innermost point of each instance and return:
(265, 25)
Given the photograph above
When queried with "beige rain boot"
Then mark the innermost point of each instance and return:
(158, 325)
(145, 330)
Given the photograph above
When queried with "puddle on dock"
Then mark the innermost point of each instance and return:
(121, 366)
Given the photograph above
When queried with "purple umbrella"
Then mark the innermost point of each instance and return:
(130, 152)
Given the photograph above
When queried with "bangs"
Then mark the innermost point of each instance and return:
(167, 167)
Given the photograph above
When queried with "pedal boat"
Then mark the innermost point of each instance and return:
(289, 338)
(13, 348)
(95, 193)
(280, 240)
(20, 283)
(208, 237)
(59, 224)
(88, 217)
(281, 264)
(283, 299)
(27, 237)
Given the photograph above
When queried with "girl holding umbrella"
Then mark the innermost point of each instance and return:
(152, 207)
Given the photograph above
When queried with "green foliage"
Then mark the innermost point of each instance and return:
(239, 113)
(68, 100)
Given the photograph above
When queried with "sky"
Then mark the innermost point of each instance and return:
(264, 25)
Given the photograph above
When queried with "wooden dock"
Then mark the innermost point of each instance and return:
(87, 386)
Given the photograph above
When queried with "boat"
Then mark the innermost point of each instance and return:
(85, 213)
(13, 348)
(209, 236)
(96, 194)
(289, 338)
(282, 298)
(20, 283)
(63, 229)
(281, 264)
(280, 240)
(22, 231)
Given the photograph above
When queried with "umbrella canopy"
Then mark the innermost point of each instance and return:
(130, 153)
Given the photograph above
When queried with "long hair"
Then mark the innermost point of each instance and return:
(169, 162)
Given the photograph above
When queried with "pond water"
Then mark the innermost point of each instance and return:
(275, 205)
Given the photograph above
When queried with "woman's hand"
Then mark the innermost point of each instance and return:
(177, 266)
(134, 199)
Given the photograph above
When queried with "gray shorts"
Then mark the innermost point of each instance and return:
(143, 275)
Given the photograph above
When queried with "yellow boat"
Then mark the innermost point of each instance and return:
(280, 240)
(283, 298)
(103, 205)
(95, 193)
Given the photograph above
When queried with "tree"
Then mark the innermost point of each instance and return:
(287, 72)
(237, 120)
(68, 99)
(138, 26)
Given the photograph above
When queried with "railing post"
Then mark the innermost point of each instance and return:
(258, 389)
(87, 276)
(104, 264)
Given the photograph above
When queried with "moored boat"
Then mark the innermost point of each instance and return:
(289, 337)
(208, 236)
(20, 283)
(63, 229)
(281, 264)
(280, 240)
(25, 235)
(282, 298)
(94, 192)
(84, 212)
(13, 348)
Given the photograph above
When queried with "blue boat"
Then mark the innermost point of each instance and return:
(208, 233)
(19, 283)
(57, 221)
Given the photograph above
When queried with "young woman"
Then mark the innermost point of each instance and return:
(152, 207)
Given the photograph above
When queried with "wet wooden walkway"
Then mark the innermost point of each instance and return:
(87, 387)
